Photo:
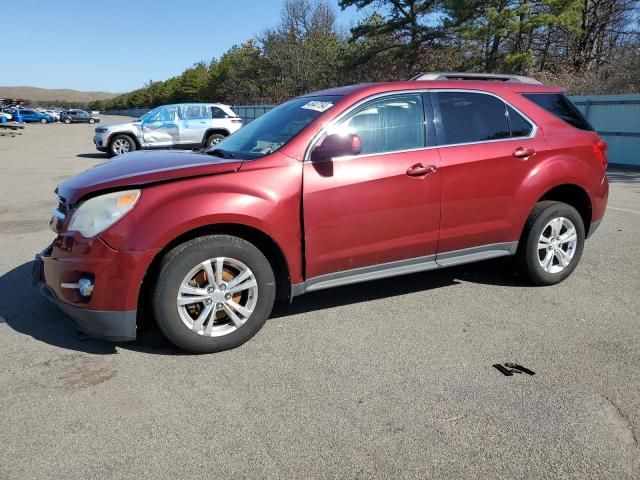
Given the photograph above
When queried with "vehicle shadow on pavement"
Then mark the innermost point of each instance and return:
(491, 272)
(97, 155)
(27, 312)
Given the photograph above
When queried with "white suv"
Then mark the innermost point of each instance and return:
(185, 125)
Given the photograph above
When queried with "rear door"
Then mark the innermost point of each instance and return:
(194, 121)
(487, 149)
(375, 207)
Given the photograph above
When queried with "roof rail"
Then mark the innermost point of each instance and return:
(496, 77)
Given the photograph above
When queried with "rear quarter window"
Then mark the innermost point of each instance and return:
(519, 126)
(560, 106)
(218, 113)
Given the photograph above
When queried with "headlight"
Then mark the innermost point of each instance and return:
(99, 213)
(101, 130)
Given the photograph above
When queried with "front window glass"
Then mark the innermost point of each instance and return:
(472, 117)
(389, 124)
(166, 114)
(155, 113)
(270, 131)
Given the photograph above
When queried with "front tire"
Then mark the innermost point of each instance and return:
(43, 120)
(120, 144)
(551, 243)
(67, 121)
(213, 293)
(91, 120)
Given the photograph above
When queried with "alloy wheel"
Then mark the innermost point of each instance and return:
(121, 146)
(557, 245)
(217, 296)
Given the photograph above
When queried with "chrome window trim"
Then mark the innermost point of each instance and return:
(365, 155)
(377, 96)
(534, 129)
(326, 128)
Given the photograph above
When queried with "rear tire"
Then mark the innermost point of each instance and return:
(91, 120)
(67, 121)
(551, 243)
(120, 144)
(213, 139)
(198, 306)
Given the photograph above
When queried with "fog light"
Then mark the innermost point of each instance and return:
(84, 286)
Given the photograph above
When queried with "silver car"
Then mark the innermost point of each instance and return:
(185, 125)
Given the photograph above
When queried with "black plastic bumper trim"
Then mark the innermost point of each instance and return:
(593, 227)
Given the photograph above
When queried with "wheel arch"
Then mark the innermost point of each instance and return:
(265, 243)
(128, 134)
(573, 195)
(213, 131)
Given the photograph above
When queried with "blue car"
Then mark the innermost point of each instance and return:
(29, 115)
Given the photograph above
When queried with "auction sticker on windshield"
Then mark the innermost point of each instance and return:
(317, 106)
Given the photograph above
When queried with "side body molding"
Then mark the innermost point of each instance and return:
(402, 267)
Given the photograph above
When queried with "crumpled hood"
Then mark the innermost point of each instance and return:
(142, 168)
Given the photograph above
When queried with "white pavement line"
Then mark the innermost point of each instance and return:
(624, 210)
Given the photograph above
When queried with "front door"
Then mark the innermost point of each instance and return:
(382, 205)
(161, 128)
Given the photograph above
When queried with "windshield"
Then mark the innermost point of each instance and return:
(269, 132)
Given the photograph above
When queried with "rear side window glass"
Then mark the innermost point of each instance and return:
(519, 126)
(194, 112)
(389, 124)
(472, 117)
(561, 107)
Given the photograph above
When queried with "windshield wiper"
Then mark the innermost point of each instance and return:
(219, 152)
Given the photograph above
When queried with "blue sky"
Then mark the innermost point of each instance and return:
(118, 45)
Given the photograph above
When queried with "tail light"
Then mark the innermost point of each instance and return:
(600, 149)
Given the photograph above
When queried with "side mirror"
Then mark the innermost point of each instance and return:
(336, 145)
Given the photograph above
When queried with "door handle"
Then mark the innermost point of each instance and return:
(522, 152)
(420, 170)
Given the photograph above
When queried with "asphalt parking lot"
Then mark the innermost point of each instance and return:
(390, 379)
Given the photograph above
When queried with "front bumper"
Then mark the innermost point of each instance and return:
(110, 311)
(100, 143)
(106, 325)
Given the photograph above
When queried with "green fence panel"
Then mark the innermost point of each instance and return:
(617, 119)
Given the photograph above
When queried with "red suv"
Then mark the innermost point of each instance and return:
(336, 187)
